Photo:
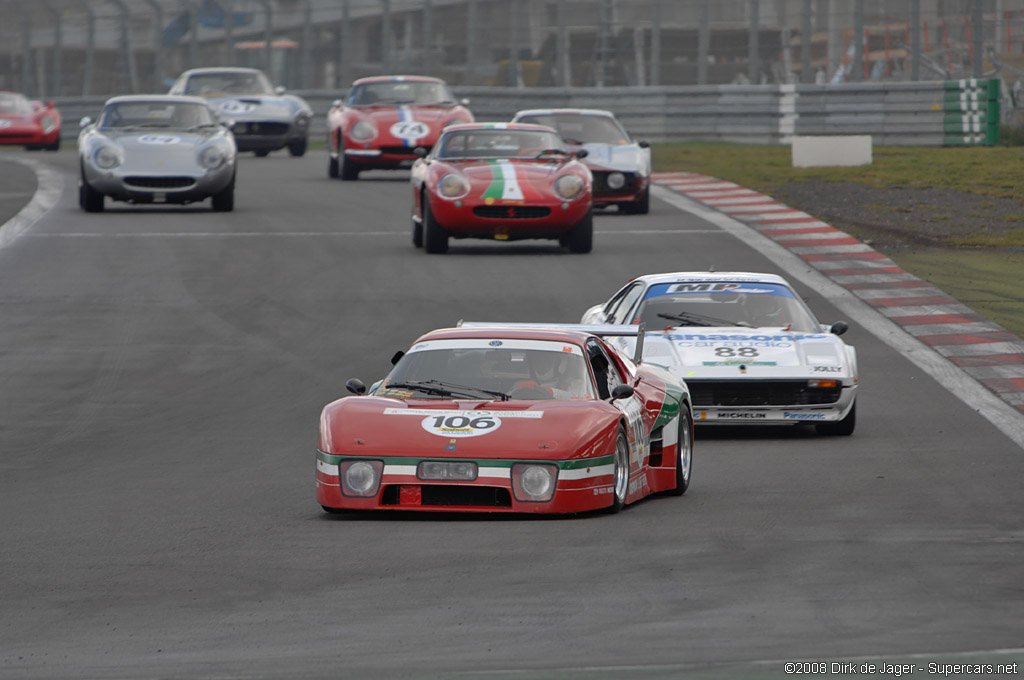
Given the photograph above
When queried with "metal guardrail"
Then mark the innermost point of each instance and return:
(932, 113)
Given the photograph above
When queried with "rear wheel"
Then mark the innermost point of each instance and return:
(621, 483)
(89, 199)
(435, 238)
(224, 200)
(332, 167)
(684, 454)
(297, 147)
(55, 146)
(842, 428)
(581, 238)
(349, 170)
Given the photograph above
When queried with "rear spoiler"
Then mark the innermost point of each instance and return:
(600, 330)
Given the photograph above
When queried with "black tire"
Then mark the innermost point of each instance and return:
(435, 238)
(684, 457)
(417, 233)
(56, 144)
(224, 200)
(620, 485)
(261, 154)
(581, 238)
(842, 428)
(641, 207)
(349, 170)
(297, 147)
(89, 199)
(332, 167)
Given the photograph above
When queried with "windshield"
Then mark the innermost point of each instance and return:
(400, 92)
(522, 369)
(14, 103)
(156, 114)
(577, 128)
(725, 303)
(498, 143)
(228, 82)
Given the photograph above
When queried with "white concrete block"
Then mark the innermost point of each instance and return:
(825, 150)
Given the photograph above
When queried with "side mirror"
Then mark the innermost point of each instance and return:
(85, 122)
(622, 392)
(355, 386)
(643, 144)
(582, 153)
(279, 90)
(397, 357)
(336, 103)
(420, 152)
(464, 101)
(839, 327)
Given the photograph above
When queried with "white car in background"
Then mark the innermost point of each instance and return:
(748, 347)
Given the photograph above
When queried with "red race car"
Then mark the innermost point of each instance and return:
(503, 181)
(385, 119)
(30, 123)
(508, 418)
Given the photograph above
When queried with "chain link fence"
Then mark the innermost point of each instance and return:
(69, 48)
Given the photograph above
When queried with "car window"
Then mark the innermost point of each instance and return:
(398, 92)
(156, 114)
(497, 143)
(227, 82)
(14, 103)
(577, 128)
(606, 373)
(622, 312)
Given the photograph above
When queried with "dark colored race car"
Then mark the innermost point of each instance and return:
(28, 123)
(621, 165)
(503, 181)
(385, 119)
(263, 118)
(496, 419)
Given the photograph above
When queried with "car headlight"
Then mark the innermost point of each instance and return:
(534, 482)
(452, 186)
(301, 120)
(360, 477)
(106, 158)
(616, 180)
(48, 123)
(212, 157)
(568, 187)
(362, 131)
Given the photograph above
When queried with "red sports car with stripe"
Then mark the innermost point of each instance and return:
(504, 181)
(507, 418)
(385, 119)
(28, 123)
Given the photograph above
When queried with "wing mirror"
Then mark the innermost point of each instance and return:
(839, 327)
(85, 122)
(622, 392)
(582, 153)
(279, 90)
(336, 103)
(397, 357)
(643, 144)
(464, 101)
(355, 386)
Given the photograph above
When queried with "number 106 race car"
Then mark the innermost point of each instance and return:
(527, 419)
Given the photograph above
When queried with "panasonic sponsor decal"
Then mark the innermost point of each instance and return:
(803, 416)
(738, 340)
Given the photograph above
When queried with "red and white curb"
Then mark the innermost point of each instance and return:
(983, 349)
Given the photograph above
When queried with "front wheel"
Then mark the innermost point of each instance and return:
(621, 483)
(435, 238)
(581, 238)
(297, 147)
(684, 452)
(842, 428)
(224, 200)
(89, 199)
(332, 167)
(349, 170)
(640, 207)
(55, 146)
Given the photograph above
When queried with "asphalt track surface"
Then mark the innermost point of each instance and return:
(163, 370)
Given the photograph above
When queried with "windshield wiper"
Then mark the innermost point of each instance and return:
(202, 126)
(446, 389)
(691, 319)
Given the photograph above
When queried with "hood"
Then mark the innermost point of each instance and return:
(731, 352)
(621, 157)
(251, 107)
(406, 125)
(471, 429)
(160, 151)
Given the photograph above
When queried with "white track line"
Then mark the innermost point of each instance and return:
(49, 187)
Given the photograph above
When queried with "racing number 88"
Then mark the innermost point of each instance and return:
(731, 352)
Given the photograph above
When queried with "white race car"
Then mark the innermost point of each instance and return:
(748, 347)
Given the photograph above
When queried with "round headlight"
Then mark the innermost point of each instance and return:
(453, 186)
(537, 481)
(361, 477)
(301, 120)
(49, 125)
(212, 157)
(362, 131)
(616, 180)
(106, 157)
(568, 186)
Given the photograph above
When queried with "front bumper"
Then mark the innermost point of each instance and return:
(633, 189)
(759, 413)
(384, 158)
(137, 187)
(508, 222)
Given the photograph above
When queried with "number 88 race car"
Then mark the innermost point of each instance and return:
(525, 419)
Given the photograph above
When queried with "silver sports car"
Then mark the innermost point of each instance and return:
(156, 149)
(263, 118)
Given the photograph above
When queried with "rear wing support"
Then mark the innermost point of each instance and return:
(600, 330)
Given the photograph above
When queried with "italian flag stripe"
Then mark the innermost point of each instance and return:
(504, 184)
